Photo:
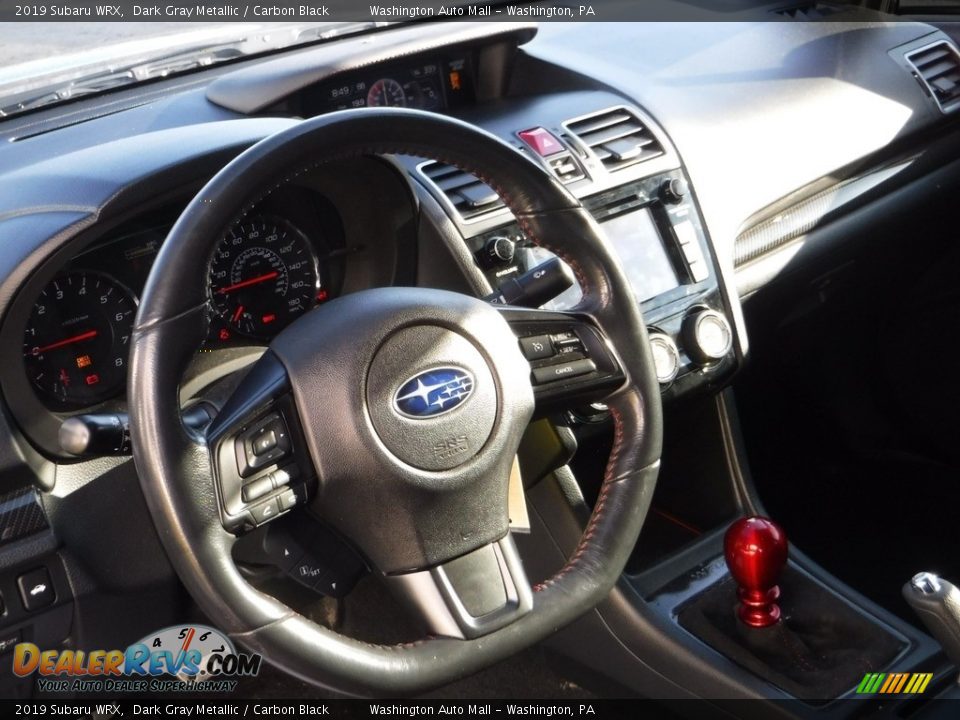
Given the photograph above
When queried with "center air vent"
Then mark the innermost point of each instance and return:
(469, 196)
(938, 68)
(616, 137)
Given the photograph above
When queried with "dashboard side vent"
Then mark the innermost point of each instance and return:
(469, 196)
(616, 137)
(807, 11)
(937, 66)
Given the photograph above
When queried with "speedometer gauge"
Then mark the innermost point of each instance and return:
(77, 339)
(387, 93)
(263, 276)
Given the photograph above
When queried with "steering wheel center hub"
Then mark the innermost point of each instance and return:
(431, 397)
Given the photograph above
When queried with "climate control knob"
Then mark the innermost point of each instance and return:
(666, 357)
(707, 336)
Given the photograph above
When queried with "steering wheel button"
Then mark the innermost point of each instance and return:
(536, 347)
(290, 498)
(264, 442)
(285, 475)
(308, 571)
(567, 343)
(562, 371)
(265, 512)
(256, 489)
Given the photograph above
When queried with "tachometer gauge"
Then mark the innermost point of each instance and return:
(77, 339)
(386, 93)
(263, 276)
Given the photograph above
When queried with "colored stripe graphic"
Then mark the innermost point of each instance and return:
(892, 679)
(894, 683)
(915, 680)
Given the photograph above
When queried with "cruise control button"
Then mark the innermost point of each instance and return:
(266, 511)
(536, 347)
(308, 571)
(567, 343)
(36, 589)
(561, 371)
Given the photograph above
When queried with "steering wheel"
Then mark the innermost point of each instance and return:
(402, 409)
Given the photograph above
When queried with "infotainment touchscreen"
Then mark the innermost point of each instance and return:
(636, 240)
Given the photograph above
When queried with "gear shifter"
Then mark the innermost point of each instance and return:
(755, 549)
(937, 602)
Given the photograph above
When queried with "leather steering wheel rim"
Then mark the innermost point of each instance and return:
(174, 465)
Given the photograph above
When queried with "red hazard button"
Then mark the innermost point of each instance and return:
(541, 140)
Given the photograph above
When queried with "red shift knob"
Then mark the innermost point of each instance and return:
(756, 551)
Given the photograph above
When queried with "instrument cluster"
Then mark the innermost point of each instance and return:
(266, 271)
(436, 84)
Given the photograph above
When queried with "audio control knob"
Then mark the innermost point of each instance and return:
(498, 250)
(673, 190)
(666, 357)
(707, 336)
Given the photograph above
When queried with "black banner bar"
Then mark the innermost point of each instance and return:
(635, 709)
(382, 11)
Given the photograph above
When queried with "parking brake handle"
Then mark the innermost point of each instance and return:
(937, 602)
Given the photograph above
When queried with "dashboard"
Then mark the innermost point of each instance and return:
(672, 219)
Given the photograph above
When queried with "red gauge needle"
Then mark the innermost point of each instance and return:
(237, 314)
(252, 281)
(90, 334)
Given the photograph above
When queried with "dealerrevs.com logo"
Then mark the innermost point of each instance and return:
(188, 658)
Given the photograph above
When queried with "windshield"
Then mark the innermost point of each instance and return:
(50, 62)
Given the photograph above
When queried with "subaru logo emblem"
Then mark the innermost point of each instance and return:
(434, 392)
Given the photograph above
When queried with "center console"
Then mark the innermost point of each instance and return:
(626, 174)
(654, 228)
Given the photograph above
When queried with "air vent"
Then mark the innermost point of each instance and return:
(616, 137)
(938, 68)
(469, 197)
(808, 11)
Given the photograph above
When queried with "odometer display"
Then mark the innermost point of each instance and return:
(263, 276)
(77, 339)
